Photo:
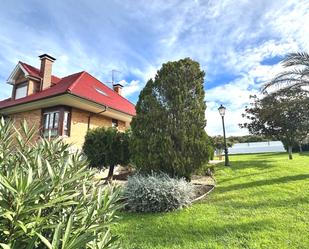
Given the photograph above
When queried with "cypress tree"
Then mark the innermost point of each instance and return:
(168, 131)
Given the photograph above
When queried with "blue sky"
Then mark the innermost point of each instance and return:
(239, 44)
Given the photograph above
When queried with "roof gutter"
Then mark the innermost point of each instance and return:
(35, 100)
(98, 103)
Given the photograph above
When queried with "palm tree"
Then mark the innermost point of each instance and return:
(297, 73)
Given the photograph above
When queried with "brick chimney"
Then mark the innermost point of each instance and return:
(117, 88)
(46, 70)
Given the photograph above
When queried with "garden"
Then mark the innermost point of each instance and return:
(171, 196)
(261, 201)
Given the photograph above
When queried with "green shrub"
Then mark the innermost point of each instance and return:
(48, 198)
(157, 193)
(107, 148)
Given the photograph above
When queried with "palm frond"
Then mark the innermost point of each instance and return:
(296, 59)
(296, 77)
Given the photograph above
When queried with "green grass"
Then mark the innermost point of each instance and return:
(262, 201)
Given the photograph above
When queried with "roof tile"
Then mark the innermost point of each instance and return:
(81, 84)
(36, 72)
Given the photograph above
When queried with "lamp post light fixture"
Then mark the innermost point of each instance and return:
(221, 110)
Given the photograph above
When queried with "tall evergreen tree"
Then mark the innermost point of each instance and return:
(168, 130)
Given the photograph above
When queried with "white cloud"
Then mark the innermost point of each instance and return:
(235, 96)
(5, 92)
(130, 88)
(235, 39)
(232, 119)
(148, 73)
(136, 37)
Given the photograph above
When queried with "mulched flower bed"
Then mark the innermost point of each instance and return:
(203, 185)
(202, 190)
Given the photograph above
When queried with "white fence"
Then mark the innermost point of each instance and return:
(257, 147)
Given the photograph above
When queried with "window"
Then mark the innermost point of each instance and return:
(21, 91)
(51, 124)
(114, 123)
(56, 122)
(66, 123)
(101, 91)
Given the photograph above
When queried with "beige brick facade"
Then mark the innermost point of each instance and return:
(79, 124)
(33, 118)
(33, 86)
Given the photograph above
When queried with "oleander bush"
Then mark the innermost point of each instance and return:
(48, 198)
(157, 193)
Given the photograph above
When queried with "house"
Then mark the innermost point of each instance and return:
(66, 107)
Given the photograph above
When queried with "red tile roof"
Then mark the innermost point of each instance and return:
(81, 84)
(36, 72)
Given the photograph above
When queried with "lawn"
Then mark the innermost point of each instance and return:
(262, 201)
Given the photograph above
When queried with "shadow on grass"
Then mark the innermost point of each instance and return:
(304, 153)
(272, 181)
(271, 154)
(184, 232)
(241, 165)
(272, 203)
(275, 155)
(244, 176)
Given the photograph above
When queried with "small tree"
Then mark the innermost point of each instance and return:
(282, 115)
(107, 147)
(168, 131)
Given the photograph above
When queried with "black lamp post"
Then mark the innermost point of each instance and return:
(221, 110)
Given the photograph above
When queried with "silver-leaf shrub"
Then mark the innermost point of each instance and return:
(48, 198)
(157, 193)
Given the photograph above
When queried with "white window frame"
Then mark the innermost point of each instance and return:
(50, 127)
(21, 91)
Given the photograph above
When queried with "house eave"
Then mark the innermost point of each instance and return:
(68, 99)
(11, 80)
